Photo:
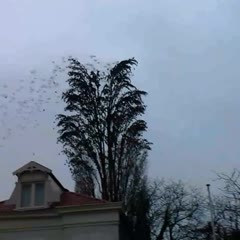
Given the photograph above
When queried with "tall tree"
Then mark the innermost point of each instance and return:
(102, 130)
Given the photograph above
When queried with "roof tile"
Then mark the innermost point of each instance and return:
(67, 199)
(75, 199)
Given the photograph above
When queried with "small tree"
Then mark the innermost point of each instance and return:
(228, 205)
(176, 211)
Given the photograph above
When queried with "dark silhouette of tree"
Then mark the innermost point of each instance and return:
(139, 206)
(102, 130)
(227, 206)
(176, 211)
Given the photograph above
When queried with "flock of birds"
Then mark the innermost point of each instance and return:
(22, 101)
(21, 104)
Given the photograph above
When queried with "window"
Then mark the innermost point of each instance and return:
(26, 195)
(39, 194)
(32, 194)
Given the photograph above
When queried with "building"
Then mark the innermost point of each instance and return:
(40, 208)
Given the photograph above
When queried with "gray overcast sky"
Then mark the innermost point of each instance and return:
(188, 53)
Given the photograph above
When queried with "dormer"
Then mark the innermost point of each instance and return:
(36, 188)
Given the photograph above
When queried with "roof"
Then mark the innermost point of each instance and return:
(6, 208)
(68, 199)
(32, 166)
(75, 199)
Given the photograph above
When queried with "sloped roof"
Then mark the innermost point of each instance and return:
(67, 199)
(6, 208)
(32, 166)
(75, 199)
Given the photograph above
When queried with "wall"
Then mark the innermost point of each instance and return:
(107, 232)
(33, 235)
(100, 232)
(33, 176)
(103, 225)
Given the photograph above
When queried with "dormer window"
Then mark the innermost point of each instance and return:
(32, 195)
(36, 188)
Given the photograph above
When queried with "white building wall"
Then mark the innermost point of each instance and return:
(33, 235)
(75, 226)
(107, 232)
(100, 232)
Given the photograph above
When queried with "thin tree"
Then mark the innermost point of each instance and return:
(102, 130)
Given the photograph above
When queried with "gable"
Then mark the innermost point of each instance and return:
(32, 166)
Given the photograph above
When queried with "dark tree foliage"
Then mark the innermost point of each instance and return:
(102, 130)
(141, 207)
